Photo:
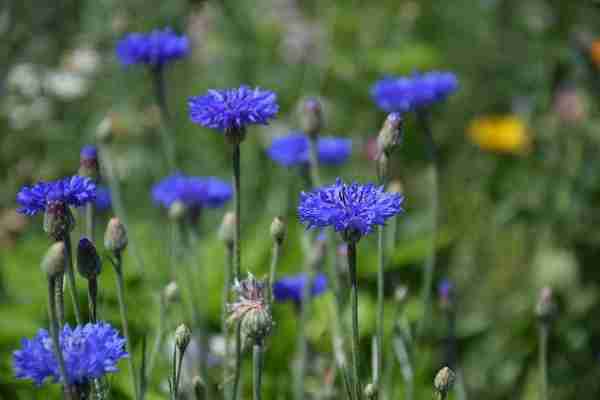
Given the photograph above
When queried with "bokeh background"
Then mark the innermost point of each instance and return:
(518, 147)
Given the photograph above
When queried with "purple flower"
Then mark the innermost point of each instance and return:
(155, 49)
(409, 93)
(233, 109)
(292, 287)
(89, 351)
(103, 200)
(293, 149)
(89, 152)
(73, 191)
(352, 209)
(194, 192)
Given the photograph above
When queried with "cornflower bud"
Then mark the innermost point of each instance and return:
(370, 391)
(53, 263)
(88, 163)
(278, 229)
(390, 134)
(311, 117)
(115, 237)
(183, 335)
(251, 309)
(444, 380)
(58, 220)
(546, 307)
(171, 292)
(88, 261)
(227, 229)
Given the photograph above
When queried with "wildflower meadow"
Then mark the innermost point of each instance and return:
(283, 199)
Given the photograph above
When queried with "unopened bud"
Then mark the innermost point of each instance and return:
(311, 117)
(278, 229)
(370, 391)
(444, 380)
(177, 211)
(115, 237)
(183, 335)
(104, 131)
(400, 293)
(53, 263)
(256, 324)
(390, 134)
(88, 163)
(58, 220)
(88, 262)
(227, 229)
(171, 292)
(546, 307)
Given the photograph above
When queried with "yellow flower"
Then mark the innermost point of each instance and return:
(502, 134)
(595, 52)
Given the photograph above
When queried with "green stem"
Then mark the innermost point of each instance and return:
(59, 294)
(123, 311)
(430, 260)
(71, 277)
(93, 298)
(225, 301)
(159, 336)
(273, 269)
(378, 365)
(354, 306)
(314, 162)
(178, 372)
(158, 75)
(257, 370)
(55, 336)
(237, 256)
(238, 361)
(543, 359)
(90, 221)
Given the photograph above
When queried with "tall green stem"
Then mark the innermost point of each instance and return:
(423, 120)
(93, 298)
(71, 277)
(314, 162)
(238, 361)
(354, 306)
(162, 314)
(55, 336)
(544, 331)
(380, 311)
(225, 301)
(90, 221)
(257, 370)
(237, 260)
(59, 294)
(158, 75)
(118, 264)
(273, 269)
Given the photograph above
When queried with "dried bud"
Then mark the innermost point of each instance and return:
(177, 211)
(227, 229)
(251, 309)
(88, 262)
(53, 263)
(546, 307)
(183, 335)
(444, 380)
(58, 220)
(390, 134)
(115, 237)
(171, 292)
(104, 131)
(278, 229)
(371, 391)
(311, 117)
(88, 163)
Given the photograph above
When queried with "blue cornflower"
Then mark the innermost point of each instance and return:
(73, 191)
(194, 192)
(155, 49)
(292, 287)
(292, 149)
(89, 152)
(103, 200)
(89, 351)
(350, 209)
(233, 109)
(409, 93)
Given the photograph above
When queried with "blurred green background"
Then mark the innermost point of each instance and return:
(514, 217)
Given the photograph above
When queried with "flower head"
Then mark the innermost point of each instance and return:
(88, 165)
(292, 287)
(194, 192)
(251, 308)
(409, 93)
(89, 351)
(73, 191)
(351, 209)
(155, 49)
(233, 109)
(293, 150)
(502, 134)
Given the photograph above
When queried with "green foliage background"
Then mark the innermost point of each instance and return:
(510, 224)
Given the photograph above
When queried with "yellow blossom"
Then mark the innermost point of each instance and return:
(502, 134)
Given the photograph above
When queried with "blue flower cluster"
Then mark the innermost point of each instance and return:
(233, 109)
(291, 288)
(352, 209)
(74, 191)
(89, 351)
(293, 149)
(409, 93)
(155, 49)
(192, 191)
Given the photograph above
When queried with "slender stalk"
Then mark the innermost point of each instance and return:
(93, 298)
(90, 221)
(225, 301)
(301, 346)
(378, 365)
(54, 333)
(257, 370)
(59, 294)
(238, 361)
(314, 162)
(237, 262)
(544, 331)
(178, 372)
(118, 264)
(158, 75)
(162, 314)
(71, 277)
(354, 305)
(423, 120)
(274, 262)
